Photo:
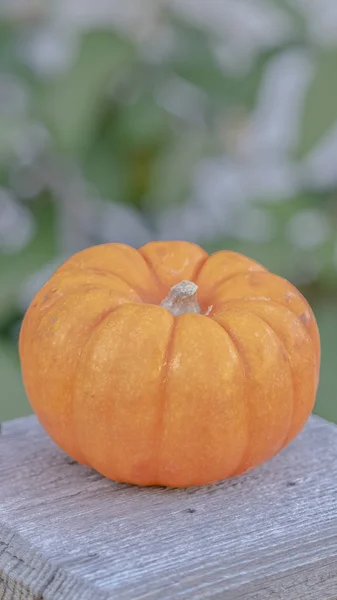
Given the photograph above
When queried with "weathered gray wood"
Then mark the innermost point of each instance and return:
(68, 534)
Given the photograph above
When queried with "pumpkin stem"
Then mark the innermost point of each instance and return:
(182, 298)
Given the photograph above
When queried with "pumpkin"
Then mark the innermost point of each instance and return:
(166, 366)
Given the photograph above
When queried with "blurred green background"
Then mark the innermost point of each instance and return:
(214, 122)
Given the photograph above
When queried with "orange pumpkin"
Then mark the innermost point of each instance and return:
(168, 366)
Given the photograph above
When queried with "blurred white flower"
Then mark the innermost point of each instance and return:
(161, 44)
(269, 179)
(17, 225)
(50, 49)
(319, 170)
(120, 223)
(321, 19)
(137, 18)
(221, 184)
(309, 229)
(182, 99)
(26, 182)
(29, 142)
(217, 195)
(22, 8)
(190, 222)
(275, 121)
(254, 225)
(218, 185)
(249, 25)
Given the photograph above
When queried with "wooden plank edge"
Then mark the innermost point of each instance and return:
(25, 574)
(315, 581)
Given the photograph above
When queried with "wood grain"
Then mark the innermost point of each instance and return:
(68, 534)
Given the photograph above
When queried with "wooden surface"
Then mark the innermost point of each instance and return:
(68, 534)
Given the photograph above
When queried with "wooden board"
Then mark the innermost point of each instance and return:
(68, 534)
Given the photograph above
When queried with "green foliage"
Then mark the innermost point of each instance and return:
(172, 171)
(280, 253)
(326, 315)
(194, 60)
(320, 108)
(15, 268)
(127, 141)
(297, 19)
(115, 134)
(71, 103)
(13, 402)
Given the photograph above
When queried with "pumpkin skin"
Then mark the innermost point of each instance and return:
(146, 397)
